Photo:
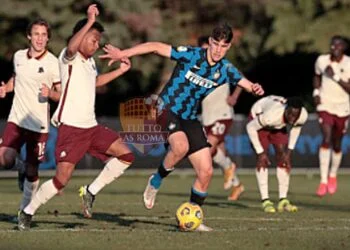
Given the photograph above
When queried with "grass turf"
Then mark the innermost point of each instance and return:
(121, 222)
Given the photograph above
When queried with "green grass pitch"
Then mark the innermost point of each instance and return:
(121, 222)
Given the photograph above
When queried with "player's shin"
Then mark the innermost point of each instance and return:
(112, 170)
(283, 177)
(29, 189)
(262, 176)
(336, 160)
(46, 191)
(324, 158)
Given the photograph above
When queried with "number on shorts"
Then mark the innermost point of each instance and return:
(218, 128)
(41, 147)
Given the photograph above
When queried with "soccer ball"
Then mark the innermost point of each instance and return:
(189, 216)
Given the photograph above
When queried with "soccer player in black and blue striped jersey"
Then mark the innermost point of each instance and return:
(197, 73)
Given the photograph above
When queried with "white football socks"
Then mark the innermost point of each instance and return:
(283, 182)
(324, 158)
(29, 189)
(336, 160)
(46, 191)
(222, 160)
(112, 170)
(262, 177)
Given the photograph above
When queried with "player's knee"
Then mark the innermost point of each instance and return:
(337, 148)
(127, 158)
(180, 149)
(206, 172)
(59, 185)
(7, 162)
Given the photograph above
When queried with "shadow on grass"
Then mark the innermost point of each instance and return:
(126, 222)
(11, 219)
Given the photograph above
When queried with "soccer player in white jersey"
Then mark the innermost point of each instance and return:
(331, 97)
(269, 118)
(36, 78)
(217, 117)
(78, 131)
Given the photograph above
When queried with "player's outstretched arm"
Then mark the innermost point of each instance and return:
(115, 54)
(75, 41)
(253, 88)
(6, 88)
(103, 79)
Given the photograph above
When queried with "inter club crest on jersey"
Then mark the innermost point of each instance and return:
(138, 118)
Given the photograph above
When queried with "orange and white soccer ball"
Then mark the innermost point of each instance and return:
(189, 216)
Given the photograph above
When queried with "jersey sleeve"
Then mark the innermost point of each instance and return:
(233, 74)
(318, 70)
(182, 53)
(64, 59)
(55, 72)
(252, 130)
(15, 62)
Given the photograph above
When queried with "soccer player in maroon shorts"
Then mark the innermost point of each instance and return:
(78, 131)
(36, 71)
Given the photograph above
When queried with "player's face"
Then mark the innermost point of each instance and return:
(217, 49)
(90, 43)
(291, 115)
(337, 48)
(38, 38)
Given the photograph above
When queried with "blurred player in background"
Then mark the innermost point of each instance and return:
(269, 118)
(35, 80)
(331, 97)
(217, 117)
(197, 73)
(78, 130)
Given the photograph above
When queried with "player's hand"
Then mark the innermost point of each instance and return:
(285, 161)
(112, 53)
(3, 90)
(329, 71)
(231, 100)
(257, 89)
(317, 100)
(44, 90)
(125, 64)
(92, 12)
(263, 161)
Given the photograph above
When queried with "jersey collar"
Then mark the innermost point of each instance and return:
(338, 61)
(37, 57)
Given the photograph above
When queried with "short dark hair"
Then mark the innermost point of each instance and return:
(202, 40)
(39, 21)
(294, 102)
(222, 32)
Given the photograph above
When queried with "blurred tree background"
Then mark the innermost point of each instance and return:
(276, 42)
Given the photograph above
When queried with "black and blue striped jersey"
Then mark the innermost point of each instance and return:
(193, 79)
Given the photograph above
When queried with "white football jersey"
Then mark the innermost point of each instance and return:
(215, 106)
(270, 110)
(29, 109)
(77, 103)
(268, 113)
(334, 99)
